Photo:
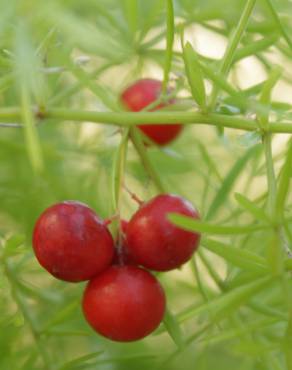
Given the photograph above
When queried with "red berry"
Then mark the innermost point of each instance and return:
(125, 303)
(137, 97)
(154, 242)
(71, 242)
(122, 255)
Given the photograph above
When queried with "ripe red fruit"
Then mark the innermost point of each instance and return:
(124, 303)
(137, 97)
(154, 242)
(71, 242)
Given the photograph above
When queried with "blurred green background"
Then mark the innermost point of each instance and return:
(81, 54)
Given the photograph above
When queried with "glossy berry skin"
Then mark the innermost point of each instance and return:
(71, 242)
(154, 242)
(137, 97)
(125, 303)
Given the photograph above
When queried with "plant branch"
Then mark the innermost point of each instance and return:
(117, 179)
(142, 152)
(151, 118)
(279, 23)
(169, 44)
(271, 177)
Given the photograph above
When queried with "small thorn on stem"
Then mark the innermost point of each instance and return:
(133, 196)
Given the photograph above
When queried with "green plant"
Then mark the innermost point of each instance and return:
(63, 64)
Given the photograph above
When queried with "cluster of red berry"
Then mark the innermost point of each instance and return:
(122, 301)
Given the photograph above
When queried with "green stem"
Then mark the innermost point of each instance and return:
(24, 309)
(216, 278)
(169, 44)
(200, 285)
(142, 151)
(288, 343)
(152, 118)
(279, 23)
(31, 134)
(117, 179)
(271, 177)
(119, 169)
(275, 252)
(255, 47)
(132, 119)
(231, 49)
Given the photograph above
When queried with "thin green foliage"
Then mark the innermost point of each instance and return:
(284, 181)
(229, 181)
(174, 329)
(278, 22)
(130, 9)
(233, 44)
(257, 212)
(169, 44)
(30, 84)
(239, 257)
(118, 170)
(65, 135)
(194, 75)
(221, 307)
(190, 224)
